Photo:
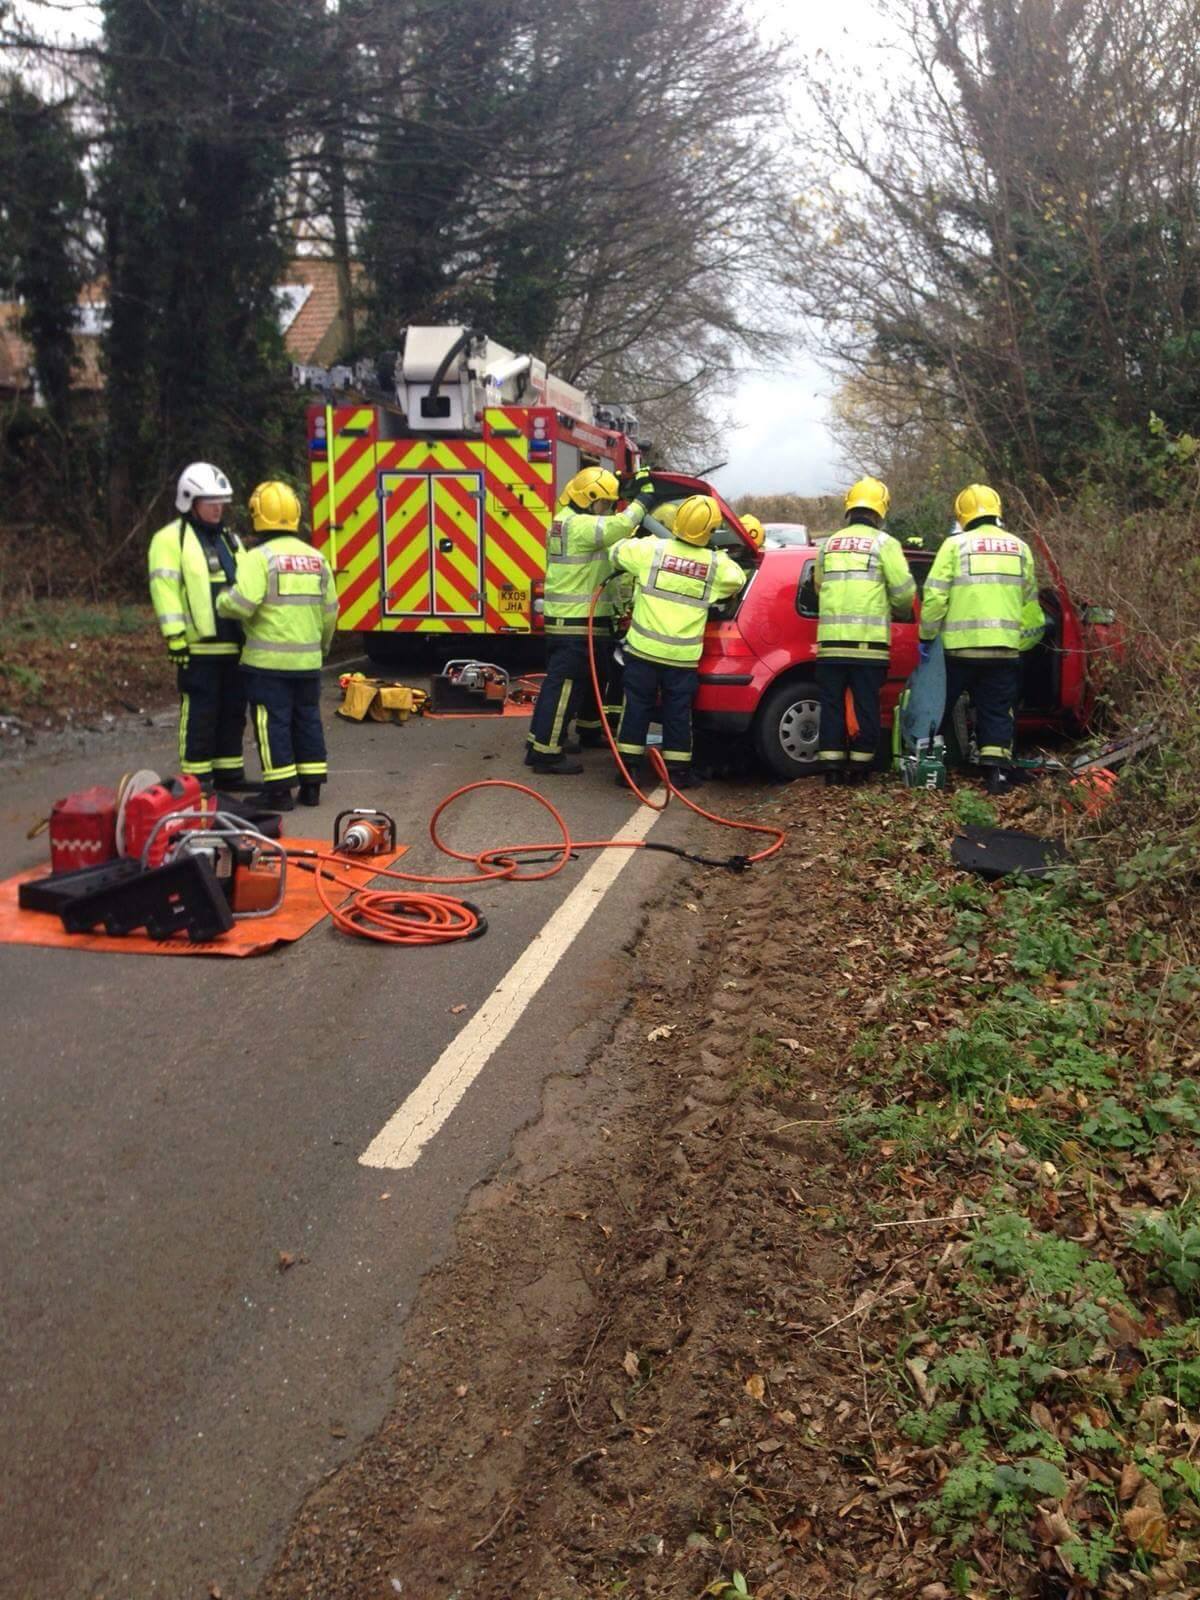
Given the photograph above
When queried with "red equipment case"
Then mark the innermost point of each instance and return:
(83, 829)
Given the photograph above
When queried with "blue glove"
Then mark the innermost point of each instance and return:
(924, 650)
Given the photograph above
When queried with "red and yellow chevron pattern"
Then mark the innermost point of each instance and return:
(430, 535)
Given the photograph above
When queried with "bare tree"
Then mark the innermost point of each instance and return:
(1007, 242)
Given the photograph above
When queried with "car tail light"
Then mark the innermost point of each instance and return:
(537, 609)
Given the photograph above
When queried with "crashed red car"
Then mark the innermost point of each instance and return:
(756, 672)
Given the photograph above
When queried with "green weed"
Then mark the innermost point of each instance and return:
(993, 1492)
(972, 810)
(1170, 1240)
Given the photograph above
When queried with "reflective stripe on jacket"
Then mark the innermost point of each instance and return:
(676, 583)
(981, 594)
(863, 580)
(286, 600)
(577, 564)
(184, 578)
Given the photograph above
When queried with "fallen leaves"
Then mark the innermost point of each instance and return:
(1145, 1523)
(663, 1031)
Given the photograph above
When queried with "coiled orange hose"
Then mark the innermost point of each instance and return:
(390, 917)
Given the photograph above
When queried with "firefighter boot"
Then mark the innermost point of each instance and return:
(310, 794)
(999, 780)
(834, 777)
(275, 797)
(684, 778)
(636, 771)
(556, 766)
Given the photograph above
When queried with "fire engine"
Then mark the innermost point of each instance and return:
(431, 498)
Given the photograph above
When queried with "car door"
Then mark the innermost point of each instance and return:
(903, 658)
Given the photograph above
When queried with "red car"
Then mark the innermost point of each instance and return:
(756, 672)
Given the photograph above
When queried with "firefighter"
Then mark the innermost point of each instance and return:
(286, 601)
(981, 597)
(676, 580)
(577, 563)
(862, 581)
(758, 534)
(192, 560)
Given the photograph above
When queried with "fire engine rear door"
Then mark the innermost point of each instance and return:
(432, 552)
(456, 501)
(406, 556)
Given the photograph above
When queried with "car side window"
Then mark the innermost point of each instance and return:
(806, 591)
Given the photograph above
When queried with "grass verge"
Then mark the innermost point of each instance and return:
(1026, 1097)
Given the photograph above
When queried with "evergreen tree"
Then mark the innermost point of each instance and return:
(42, 199)
(192, 188)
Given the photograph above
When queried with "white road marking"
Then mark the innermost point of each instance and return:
(400, 1142)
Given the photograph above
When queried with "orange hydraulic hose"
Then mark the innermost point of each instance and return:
(659, 766)
(390, 917)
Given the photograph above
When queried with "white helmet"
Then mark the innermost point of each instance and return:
(201, 481)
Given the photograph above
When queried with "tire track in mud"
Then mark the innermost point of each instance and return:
(614, 1379)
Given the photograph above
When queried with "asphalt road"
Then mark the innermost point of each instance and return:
(168, 1127)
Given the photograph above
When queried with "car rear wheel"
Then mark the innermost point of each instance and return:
(787, 729)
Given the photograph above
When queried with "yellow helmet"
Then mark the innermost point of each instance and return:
(976, 501)
(758, 534)
(665, 514)
(868, 494)
(274, 508)
(696, 517)
(590, 485)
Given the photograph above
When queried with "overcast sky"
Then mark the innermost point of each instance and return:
(780, 442)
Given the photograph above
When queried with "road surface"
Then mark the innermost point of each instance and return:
(170, 1128)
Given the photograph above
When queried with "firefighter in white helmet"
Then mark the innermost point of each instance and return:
(676, 580)
(192, 560)
(286, 600)
(584, 529)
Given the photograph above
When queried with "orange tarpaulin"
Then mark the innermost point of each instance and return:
(251, 936)
(511, 709)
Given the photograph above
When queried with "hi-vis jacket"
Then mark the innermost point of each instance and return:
(863, 581)
(286, 600)
(184, 578)
(676, 582)
(577, 563)
(981, 595)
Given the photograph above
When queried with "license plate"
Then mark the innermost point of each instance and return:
(512, 599)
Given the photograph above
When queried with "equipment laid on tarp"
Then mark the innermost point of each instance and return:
(183, 895)
(83, 829)
(997, 852)
(470, 686)
(250, 868)
(363, 831)
(302, 909)
(379, 699)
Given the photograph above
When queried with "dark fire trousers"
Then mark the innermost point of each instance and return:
(994, 685)
(286, 709)
(567, 691)
(212, 717)
(645, 683)
(865, 680)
